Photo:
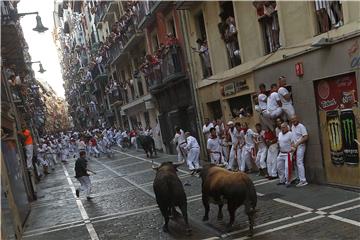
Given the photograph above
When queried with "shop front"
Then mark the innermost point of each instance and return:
(236, 99)
(325, 84)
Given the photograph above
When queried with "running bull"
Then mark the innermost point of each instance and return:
(220, 186)
(148, 144)
(170, 193)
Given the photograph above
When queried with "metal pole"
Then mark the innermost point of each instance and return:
(199, 114)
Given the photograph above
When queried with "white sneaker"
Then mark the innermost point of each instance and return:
(301, 184)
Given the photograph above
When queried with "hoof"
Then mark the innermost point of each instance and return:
(188, 231)
(205, 218)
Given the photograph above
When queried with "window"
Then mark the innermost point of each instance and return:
(241, 106)
(228, 31)
(329, 15)
(171, 27)
(269, 22)
(154, 41)
(202, 45)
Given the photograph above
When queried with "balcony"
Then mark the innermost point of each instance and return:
(170, 69)
(127, 41)
(115, 96)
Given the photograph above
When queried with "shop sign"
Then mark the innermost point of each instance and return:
(229, 89)
(335, 93)
(336, 96)
(241, 86)
(299, 69)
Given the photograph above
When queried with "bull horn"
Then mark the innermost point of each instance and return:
(177, 164)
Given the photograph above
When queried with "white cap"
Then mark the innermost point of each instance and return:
(230, 123)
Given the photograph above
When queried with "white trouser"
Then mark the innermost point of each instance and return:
(234, 156)
(272, 154)
(193, 158)
(225, 153)
(51, 160)
(284, 167)
(85, 184)
(273, 114)
(29, 150)
(93, 149)
(217, 158)
(289, 111)
(181, 152)
(246, 157)
(64, 155)
(54, 158)
(300, 152)
(42, 160)
(261, 157)
(133, 142)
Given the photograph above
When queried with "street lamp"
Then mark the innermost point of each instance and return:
(39, 26)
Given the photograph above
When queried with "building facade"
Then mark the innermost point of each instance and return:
(255, 42)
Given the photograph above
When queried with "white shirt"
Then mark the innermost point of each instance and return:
(285, 141)
(234, 136)
(298, 132)
(282, 92)
(272, 100)
(262, 101)
(213, 144)
(260, 139)
(81, 145)
(206, 129)
(179, 137)
(191, 143)
(249, 141)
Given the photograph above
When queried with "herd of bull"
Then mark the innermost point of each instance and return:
(219, 187)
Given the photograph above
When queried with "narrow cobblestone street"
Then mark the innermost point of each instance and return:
(124, 207)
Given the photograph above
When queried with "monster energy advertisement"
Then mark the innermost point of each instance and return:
(335, 137)
(348, 130)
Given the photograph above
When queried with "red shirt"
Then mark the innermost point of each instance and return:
(269, 135)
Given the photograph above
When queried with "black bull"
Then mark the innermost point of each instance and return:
(170, 193)
(148, 144)
(220, 186)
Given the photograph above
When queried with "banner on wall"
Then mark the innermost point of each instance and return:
(336, 96)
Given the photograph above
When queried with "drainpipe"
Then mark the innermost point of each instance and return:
(194, 93)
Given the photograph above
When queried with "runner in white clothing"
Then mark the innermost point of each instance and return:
(206, 128)
(262, 101)
(300, 136)
(248, 151)
(262, 150)
(285, 97)
(274, 109)
(237, 143)
(284, 159)
(180, 142)
(214, 148)
(193, 149)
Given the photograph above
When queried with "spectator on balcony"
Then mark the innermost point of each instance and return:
(203, 51)
(172, 45)
(232, 41)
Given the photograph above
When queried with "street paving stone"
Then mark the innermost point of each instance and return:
(78, 233)
(117, 202)
(122, 210)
